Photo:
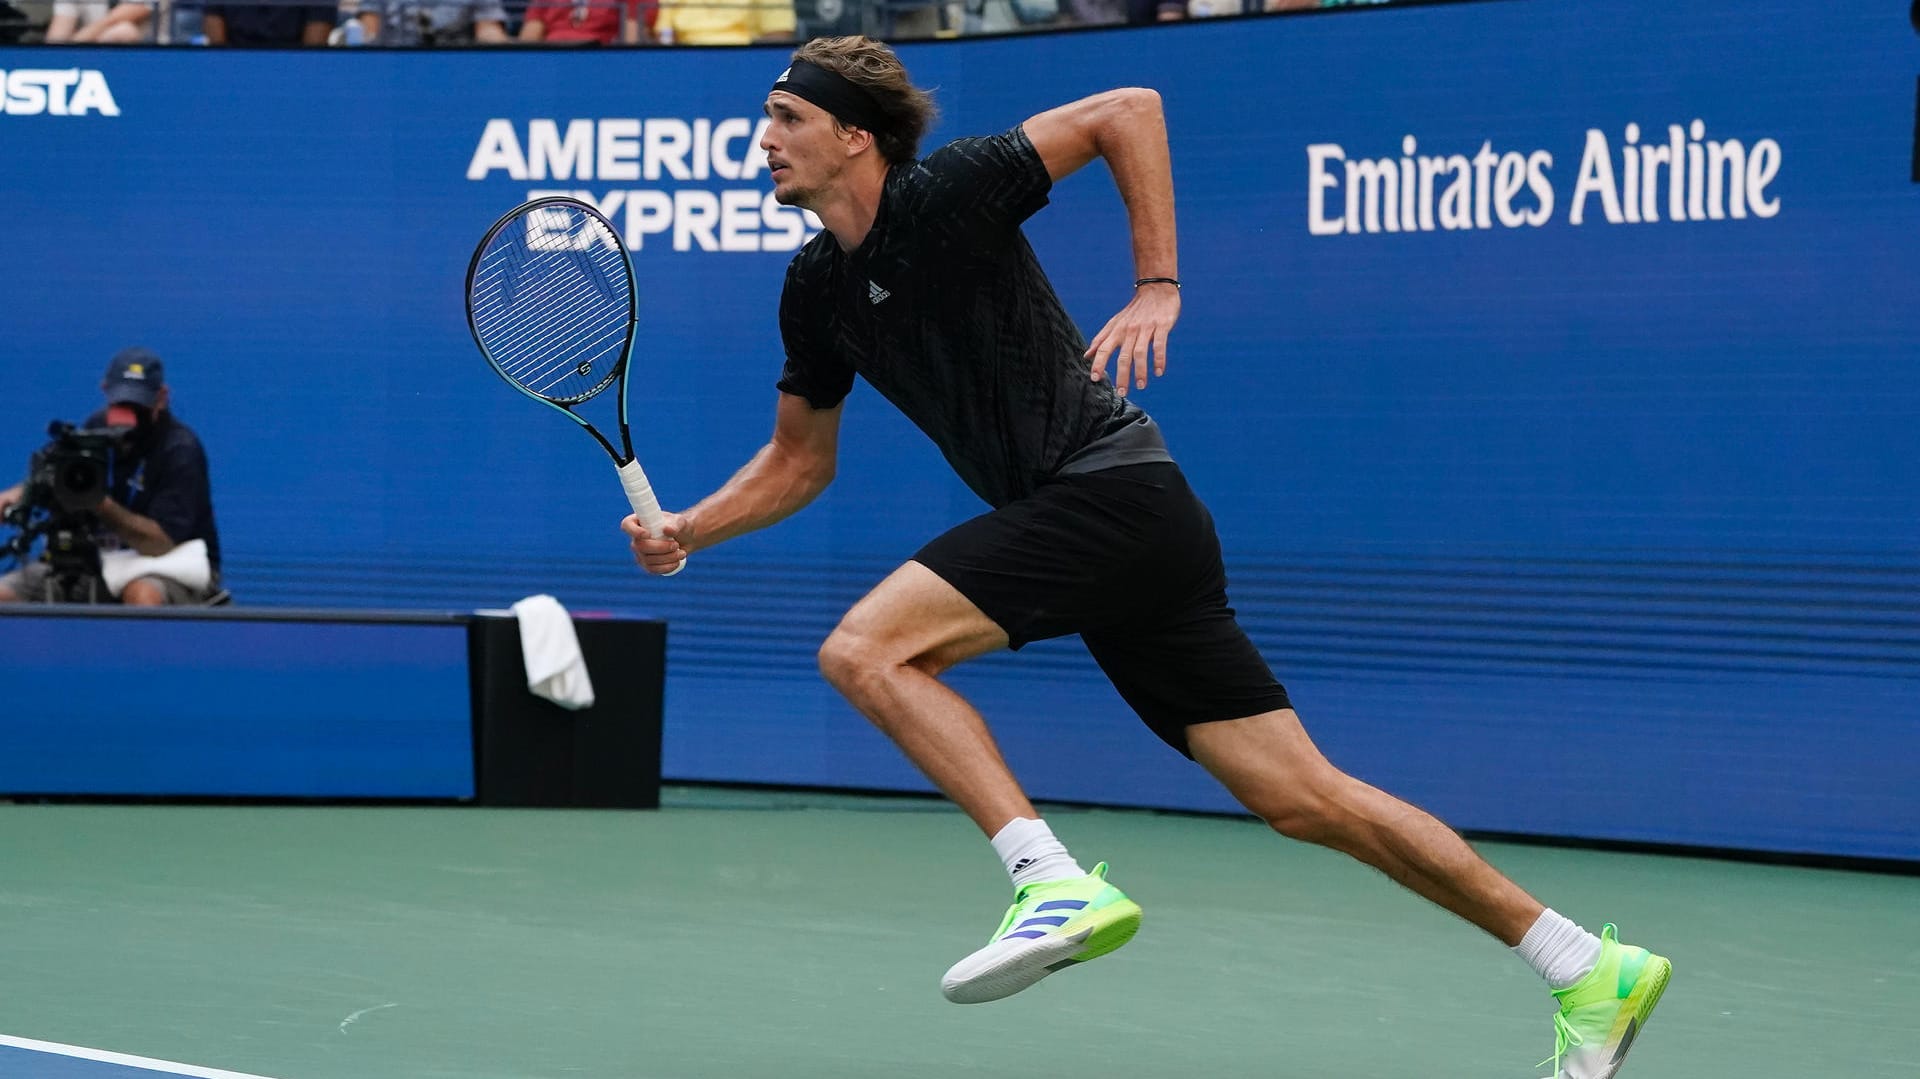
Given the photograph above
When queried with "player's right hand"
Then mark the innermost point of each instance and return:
(664, 553)
(1138, 335)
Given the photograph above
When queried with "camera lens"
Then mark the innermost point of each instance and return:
(80, 474)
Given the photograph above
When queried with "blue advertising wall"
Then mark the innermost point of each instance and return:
(215, 707)
(1556, 514)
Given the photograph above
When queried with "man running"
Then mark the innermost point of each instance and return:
(923, 284)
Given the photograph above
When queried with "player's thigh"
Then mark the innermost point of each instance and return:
(1267, 762)
(913, 616)
(1188, 668)
(1080, 552)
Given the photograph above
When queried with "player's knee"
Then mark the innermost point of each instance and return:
(1308, 819)
(849, 661)
(1308, 807)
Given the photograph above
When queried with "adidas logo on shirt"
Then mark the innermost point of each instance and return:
(875, 293)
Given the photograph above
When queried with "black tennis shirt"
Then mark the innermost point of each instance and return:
(944, 309)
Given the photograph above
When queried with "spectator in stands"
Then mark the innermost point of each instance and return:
(268, 24)
(1008, 16)
(1146, 11)
(1096, 12)
(13, 24)
(158, 495)
(577, 22)
(905, 19)
(725, 22)
(1142, 12)
(181, 22)
(95, 22)
(427, 22)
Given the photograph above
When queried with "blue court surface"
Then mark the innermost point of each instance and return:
(25, 1058)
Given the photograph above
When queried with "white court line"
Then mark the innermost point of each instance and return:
(104, 1057)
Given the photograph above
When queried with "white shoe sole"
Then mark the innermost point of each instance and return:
(1005, 967)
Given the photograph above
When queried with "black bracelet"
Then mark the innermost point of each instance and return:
(1174, 281)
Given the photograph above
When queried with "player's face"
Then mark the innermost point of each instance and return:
(806, 152)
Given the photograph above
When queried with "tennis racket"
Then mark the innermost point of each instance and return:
(551, 303)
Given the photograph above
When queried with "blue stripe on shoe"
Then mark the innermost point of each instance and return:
(1030, 933)
(1061, 904)
(1056, 920)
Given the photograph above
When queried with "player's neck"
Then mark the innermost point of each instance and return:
(850, 211)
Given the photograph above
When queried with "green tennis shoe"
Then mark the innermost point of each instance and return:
(1602, 1013)
(1050, 926)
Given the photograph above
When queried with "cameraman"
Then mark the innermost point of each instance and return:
(159, 494)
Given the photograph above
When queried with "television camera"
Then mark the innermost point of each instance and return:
(67, 479)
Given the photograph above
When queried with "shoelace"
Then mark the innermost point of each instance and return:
(1564, 1038)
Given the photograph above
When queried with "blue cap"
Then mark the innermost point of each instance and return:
(135, 377)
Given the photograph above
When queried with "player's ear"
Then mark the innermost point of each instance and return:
(858, 139)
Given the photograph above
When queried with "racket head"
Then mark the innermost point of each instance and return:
(551, 301)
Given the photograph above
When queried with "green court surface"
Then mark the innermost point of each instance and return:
(740, 935)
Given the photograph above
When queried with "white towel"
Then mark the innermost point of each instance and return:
(555, 668)
(187, 563)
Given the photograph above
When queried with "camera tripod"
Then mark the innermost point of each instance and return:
(72, 560)
(75, 563)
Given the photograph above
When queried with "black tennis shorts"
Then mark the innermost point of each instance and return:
(1128, 559)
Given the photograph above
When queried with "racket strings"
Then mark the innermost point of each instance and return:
(553, 303)
(556, 332)
(521, 307)
(535, 348)
(551, 331)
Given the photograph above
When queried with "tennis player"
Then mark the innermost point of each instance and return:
(923, 284)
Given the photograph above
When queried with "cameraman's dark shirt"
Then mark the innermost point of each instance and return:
(168, 483)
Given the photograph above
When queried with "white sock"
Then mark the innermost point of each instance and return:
(1558, 950)
(1030, 852)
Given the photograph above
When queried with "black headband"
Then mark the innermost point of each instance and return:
(833, 92)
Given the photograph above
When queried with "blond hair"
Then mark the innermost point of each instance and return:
(871, 66)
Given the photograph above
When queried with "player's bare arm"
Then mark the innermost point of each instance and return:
(789, 472)
(1128, 129)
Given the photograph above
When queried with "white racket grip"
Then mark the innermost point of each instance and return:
(645, 506)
